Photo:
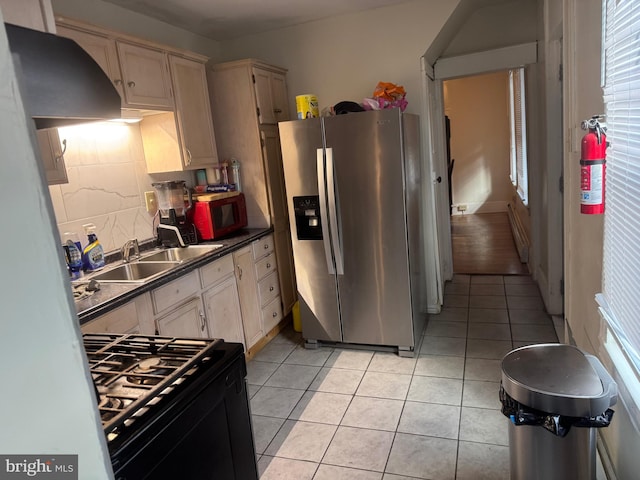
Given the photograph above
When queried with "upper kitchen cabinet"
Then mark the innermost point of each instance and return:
(246, 129)
(271, 94)
(167, 85)
(34, 14)
(145, 76)
(193, 111)
(184, 141)
(101, 48)
(139, 73)
(52, 155)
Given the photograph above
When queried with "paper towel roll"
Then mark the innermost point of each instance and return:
(212, 176)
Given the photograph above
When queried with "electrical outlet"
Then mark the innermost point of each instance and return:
(150, 202)
(462, 208)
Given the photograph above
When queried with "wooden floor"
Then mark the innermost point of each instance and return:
(483, 244)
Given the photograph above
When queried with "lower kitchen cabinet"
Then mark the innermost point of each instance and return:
(175, 293)
(178, 307)
(187, 320)
(236, 297)
(248, 293)
(271, 315)
(222, 306)
(270, 301)
(259, 289)
(133, 317)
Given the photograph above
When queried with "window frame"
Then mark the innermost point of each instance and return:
(618, 303)
(518, 160)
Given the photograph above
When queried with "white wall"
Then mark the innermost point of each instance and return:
(119, 19)
(107, 180)
(344, 58)
(47, 405)
(478, 108)
(507, 23)
(584, 233)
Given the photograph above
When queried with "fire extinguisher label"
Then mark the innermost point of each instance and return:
(591, 184)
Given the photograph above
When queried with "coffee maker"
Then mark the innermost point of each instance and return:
(174, 230)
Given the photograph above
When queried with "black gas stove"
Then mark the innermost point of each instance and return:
(173, 407)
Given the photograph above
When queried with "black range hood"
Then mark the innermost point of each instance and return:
(60, 83)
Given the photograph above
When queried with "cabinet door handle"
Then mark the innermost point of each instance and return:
(202, 320)
(64, 149)
(189, 157)
(268, 265)
(274, 314)
(271, 288)
(131, 84)
(117, 82)
(239, 272)
(277, 110)
(266, 246)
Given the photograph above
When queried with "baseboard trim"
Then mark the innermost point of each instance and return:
(519, 234)
(480, 207)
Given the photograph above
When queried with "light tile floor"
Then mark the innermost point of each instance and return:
(335, 413)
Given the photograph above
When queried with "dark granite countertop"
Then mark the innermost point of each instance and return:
(113, 295)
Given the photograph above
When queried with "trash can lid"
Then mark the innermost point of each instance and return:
(556, 378)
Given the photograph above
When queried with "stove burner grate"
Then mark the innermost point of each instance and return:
(129, 371)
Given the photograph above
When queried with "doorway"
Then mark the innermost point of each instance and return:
(479, 150)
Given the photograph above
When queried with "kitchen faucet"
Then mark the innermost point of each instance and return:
(126, 250)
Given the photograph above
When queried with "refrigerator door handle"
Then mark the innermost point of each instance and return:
(333, 214)
(323, 211)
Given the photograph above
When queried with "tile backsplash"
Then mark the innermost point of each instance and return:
(107, 180)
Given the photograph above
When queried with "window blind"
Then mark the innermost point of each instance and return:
(519, 175)
(512, 131)
(621, 255)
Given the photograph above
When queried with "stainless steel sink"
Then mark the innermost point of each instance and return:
(179, 254)
(134, 272)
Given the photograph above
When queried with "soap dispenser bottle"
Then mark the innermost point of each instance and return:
(93, 254)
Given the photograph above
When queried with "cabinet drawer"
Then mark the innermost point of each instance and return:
(187, 321)
(272, 314)
(121, 320)
(216, 271)
(262, 247)
(175, 292)
(265, 266)
(269, 288)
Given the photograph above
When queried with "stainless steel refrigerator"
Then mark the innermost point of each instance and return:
(353, 192)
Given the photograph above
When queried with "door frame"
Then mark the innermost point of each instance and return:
(439, 261)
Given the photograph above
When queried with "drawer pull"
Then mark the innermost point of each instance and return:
(268, 265)
(274, 314)
(266, 246)
(271, 288)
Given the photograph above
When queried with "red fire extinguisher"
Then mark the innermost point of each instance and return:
(593, 166)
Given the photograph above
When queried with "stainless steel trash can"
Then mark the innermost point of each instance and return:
(555, 397)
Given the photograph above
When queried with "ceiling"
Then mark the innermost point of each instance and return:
(227, 19)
